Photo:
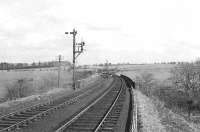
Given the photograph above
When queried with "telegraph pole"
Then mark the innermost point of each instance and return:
(77, 50)
(106, 66)
(39, 64)
(59, 64)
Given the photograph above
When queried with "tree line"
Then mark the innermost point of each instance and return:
(11, 66)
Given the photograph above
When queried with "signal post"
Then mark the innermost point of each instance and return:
(77, 50)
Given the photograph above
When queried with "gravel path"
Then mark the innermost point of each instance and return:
(149, 115)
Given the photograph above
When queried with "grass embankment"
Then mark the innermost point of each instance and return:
(169, 102)
(155, 117)
(174, 122)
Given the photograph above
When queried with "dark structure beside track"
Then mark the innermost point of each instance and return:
(129, 82)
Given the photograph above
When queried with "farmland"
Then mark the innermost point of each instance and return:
(160, 72)
(47, 78)
(36, 78)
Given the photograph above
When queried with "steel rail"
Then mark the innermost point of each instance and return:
(63, 127)
(36, 105)
(80, 113)
(16, 125)
(43, 113)
(109, 110)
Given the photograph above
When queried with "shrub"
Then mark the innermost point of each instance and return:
(46, 83)
(83, 74)
(145, 82)
(20, 88)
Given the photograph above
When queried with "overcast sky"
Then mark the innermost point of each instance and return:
(133, 31)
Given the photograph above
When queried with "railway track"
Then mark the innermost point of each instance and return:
(101, 115)
(24, 117)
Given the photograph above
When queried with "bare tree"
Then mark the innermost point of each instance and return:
(186, 77)
(197, 61)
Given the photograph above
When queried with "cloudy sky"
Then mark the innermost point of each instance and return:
(133, 31)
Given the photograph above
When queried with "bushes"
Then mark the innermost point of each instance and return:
(174, 99)
(187, 78)
(163, 90)
(25, 87)
(45, 83)
(83, 74)
(20, 88)
(146, 82)
(39, 83)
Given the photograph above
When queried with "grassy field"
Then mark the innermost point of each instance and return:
(36, 78)
(162, 86)
(161, 72)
